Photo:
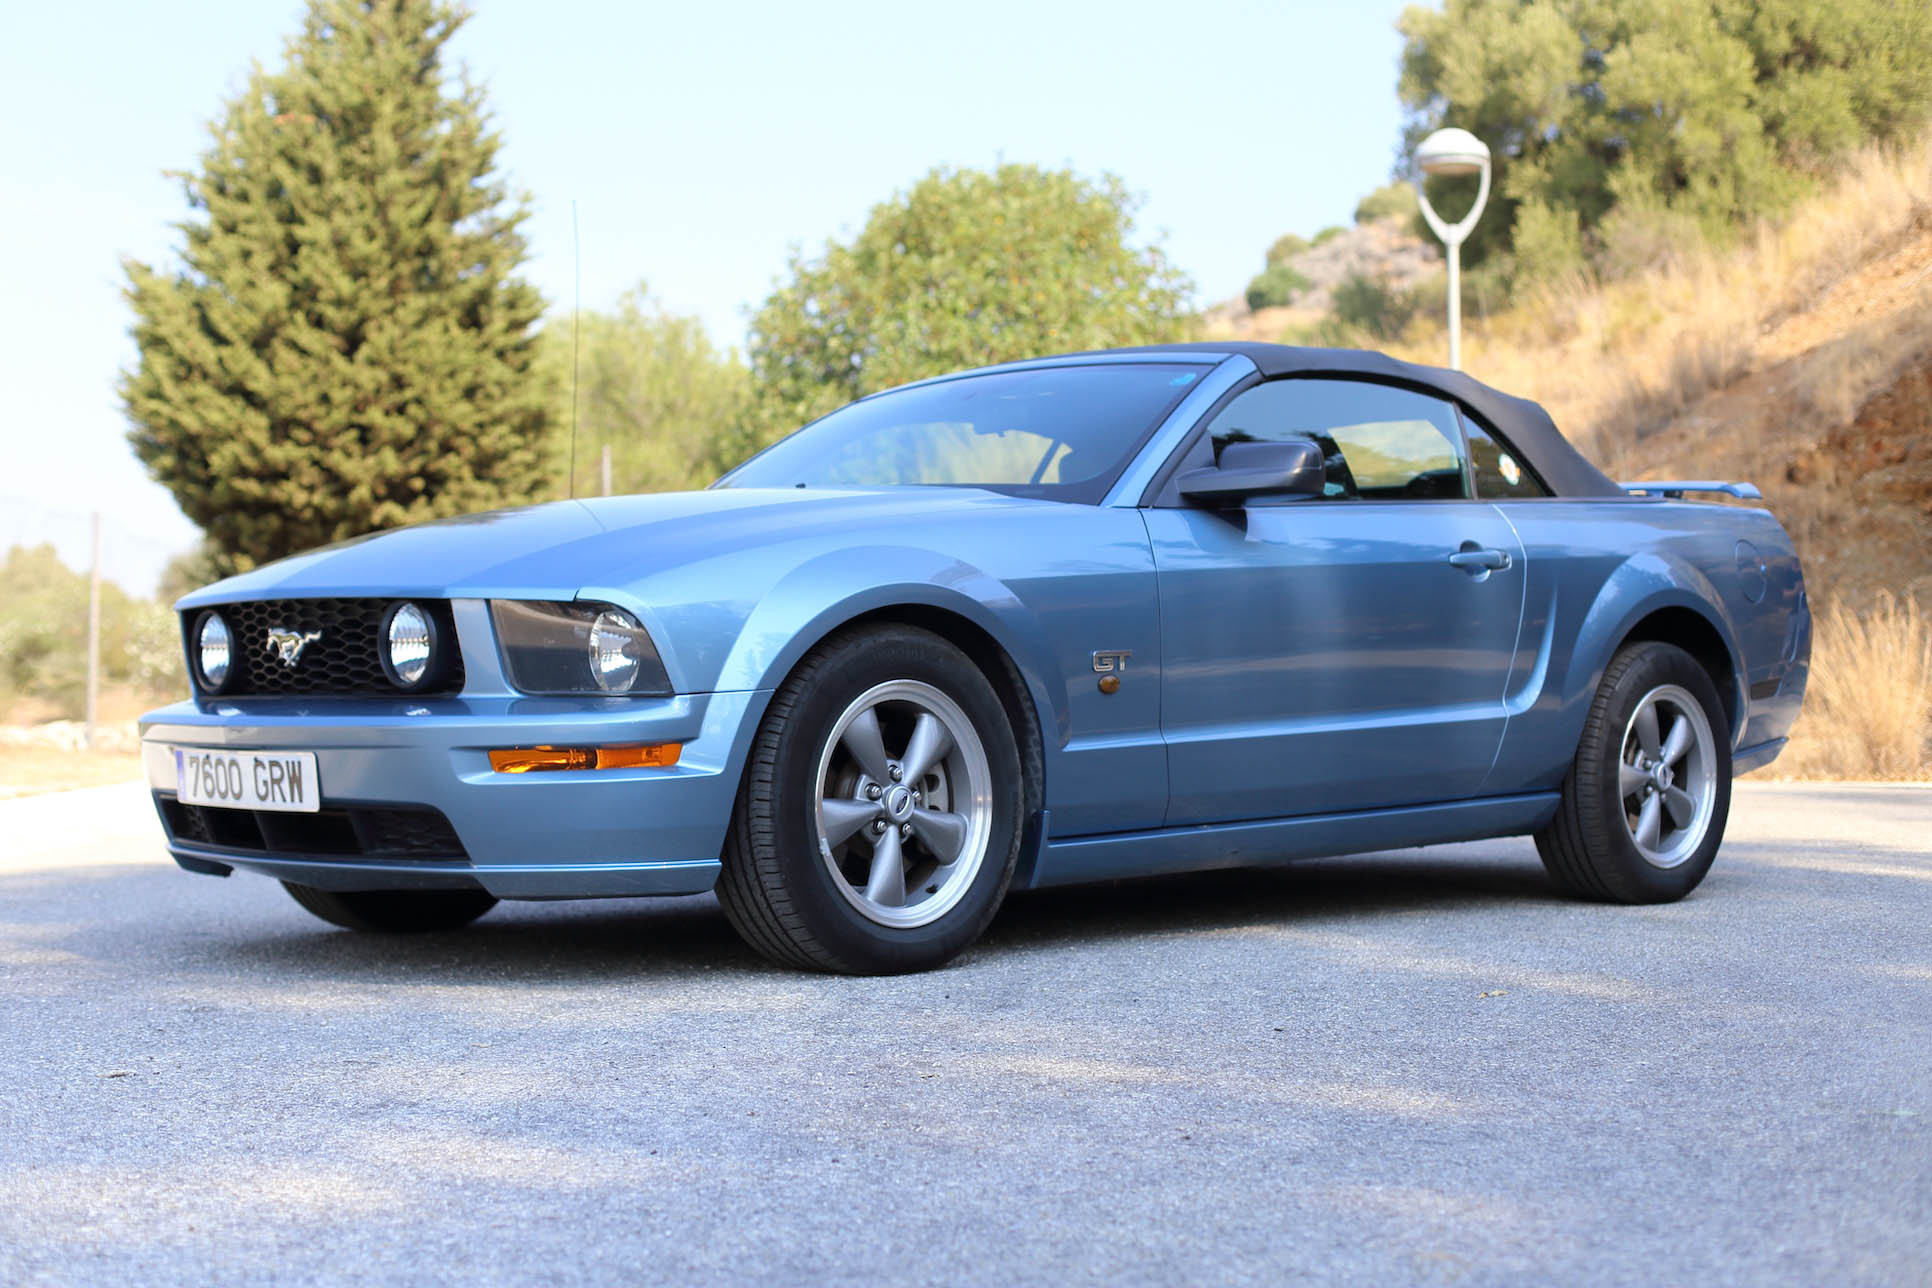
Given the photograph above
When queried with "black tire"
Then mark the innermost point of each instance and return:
(393, 912)
(1591, 848)
(779, 888)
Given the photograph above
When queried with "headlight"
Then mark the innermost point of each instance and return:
(618, 646)
(408, 646)
(213, 651)
(577, 648)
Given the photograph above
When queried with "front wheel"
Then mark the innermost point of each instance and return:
(1646, 799)
(879, 820)
(393, 911)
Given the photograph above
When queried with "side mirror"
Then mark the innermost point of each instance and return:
(1294, 467)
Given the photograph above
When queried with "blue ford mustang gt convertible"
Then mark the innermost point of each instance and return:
(1066, 620)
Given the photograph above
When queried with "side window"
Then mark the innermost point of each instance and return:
(1499, 475)
(1382, 443)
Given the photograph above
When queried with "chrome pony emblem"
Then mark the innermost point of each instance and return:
(287, 645)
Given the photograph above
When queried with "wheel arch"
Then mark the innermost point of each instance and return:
(1670, 601)
(1698, 636)
(969, 609)
(994, 662)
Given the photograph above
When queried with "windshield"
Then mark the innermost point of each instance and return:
(1062, 433)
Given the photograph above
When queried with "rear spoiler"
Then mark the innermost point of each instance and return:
(1675, 489)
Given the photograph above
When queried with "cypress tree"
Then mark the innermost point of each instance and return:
(345, 345)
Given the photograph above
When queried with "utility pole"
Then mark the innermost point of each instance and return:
(94, 633)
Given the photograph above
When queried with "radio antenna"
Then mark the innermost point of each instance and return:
(576, 312)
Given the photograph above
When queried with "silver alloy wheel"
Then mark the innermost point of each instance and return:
(1667, 776)
(903, 835)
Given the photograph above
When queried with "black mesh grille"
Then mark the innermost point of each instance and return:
(417, 833)
(185, 822)
(378, 833)
(343, 658)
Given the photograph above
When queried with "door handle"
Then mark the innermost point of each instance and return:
(1474, 559)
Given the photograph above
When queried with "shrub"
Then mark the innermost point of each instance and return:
(1286, 247)
(1396, 198)
(1373, 307)
(1549, 243)
(1276, 287)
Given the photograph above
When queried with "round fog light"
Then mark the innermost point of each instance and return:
(614, 657)
(213, 648)
(409, 645)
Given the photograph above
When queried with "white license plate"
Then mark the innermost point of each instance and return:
(277, 780)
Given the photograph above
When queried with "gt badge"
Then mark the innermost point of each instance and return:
(287, 645)
(1111, 659)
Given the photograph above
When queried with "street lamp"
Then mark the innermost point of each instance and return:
(1454, 151)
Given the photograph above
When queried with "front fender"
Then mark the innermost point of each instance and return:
(824, 593)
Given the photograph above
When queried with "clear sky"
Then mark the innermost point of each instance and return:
(700, 142)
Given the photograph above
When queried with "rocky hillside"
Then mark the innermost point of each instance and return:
(1384, 249)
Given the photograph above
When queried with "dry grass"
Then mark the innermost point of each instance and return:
(1868, 710)
(52, 756)
(29, 770)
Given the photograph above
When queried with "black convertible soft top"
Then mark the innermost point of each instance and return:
(1524, 425)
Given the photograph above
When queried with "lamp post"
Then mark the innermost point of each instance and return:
(1454, 151)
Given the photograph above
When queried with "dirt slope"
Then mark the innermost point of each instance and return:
(1834, 421)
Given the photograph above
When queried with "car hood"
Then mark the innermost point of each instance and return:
(552, 551)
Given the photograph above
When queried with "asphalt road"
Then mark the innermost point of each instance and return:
(1411, 1067)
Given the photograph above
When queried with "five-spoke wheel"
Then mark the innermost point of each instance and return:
(880, 816)
(904, 803)
(1667, 778)
(1645, 800)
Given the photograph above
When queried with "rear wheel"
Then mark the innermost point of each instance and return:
(393, 911)
(1645, 802)
(879, 820)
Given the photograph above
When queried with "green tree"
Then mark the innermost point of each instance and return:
(968, 267)
(345, 345)
(43, 635)
(1711, 111)
(653, 386)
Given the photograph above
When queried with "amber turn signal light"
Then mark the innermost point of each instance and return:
(523, 760)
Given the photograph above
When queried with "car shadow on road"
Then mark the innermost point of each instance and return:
(1304, 893)
(585, 941)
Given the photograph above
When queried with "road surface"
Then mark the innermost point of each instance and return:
(1410, 1067)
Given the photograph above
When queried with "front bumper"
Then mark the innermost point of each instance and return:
(555, 835)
